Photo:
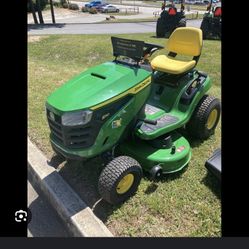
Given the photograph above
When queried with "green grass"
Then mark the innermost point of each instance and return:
(183, 204)
(194, 16)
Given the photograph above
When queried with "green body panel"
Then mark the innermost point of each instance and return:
(169, 103)
(126, 114)
(86, 90)
(149, 156)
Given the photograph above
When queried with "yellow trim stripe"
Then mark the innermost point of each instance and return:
(133, 90)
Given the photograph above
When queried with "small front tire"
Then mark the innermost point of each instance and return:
(119, 179)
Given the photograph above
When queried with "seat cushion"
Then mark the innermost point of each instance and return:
(165, 64)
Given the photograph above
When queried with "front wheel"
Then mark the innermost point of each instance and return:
(205, 118)
(119, 179)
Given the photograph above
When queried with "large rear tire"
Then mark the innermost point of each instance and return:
(205, 28)
(205, 118)
(160, 30)
(119, 179)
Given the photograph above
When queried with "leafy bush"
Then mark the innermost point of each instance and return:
(56, 4)
(43, 4)
(93, 11)
(65, 5)
(59, 4)
(73, 6)
(84, 9)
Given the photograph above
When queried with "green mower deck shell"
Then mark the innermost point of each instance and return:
(169, 103)
(149, 156)
(95, 86)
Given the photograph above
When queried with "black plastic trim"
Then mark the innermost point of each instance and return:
(83, 136)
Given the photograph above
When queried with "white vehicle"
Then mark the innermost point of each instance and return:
(109, 9)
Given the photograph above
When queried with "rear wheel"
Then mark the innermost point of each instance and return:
(119, 179)
(205, 118)
(205, 28)
(160, 29)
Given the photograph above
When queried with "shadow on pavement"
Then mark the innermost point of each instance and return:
(45, 221)
(42, 26)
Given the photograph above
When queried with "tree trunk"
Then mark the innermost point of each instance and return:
(39, 11)
(33, 11)
(52, 11)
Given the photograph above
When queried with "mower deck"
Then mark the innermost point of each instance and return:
(170, 158)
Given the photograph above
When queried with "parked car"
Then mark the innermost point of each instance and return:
(93, 4)
(109, 9)
(99, 7)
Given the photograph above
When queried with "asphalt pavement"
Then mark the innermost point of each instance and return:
(103, 28)
(45, 222)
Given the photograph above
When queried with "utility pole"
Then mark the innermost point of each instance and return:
(33, 11)
(39, 11)
(52, 10)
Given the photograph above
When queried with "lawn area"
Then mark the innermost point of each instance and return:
(183, 204)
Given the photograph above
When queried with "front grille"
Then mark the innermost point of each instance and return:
(82, 136)
(73, 137)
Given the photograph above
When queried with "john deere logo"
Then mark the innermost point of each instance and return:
(51, 114)
(142, 85)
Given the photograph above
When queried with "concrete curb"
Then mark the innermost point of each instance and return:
(79, 218)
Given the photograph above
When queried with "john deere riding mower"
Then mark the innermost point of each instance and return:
(211, 23)
(129, 111)
(170, 19)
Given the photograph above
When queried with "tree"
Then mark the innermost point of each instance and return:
(52, 10)
(33, 11)
(39, 11)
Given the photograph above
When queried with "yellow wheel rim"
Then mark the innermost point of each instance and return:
(125, 184)
(212, 119)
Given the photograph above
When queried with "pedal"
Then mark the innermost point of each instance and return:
(162, 121)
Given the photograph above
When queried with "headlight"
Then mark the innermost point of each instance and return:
(76, 118)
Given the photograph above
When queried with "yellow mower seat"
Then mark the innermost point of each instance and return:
(165, 64)
(184, 41)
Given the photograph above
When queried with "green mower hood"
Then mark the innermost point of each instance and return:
(95, 86)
